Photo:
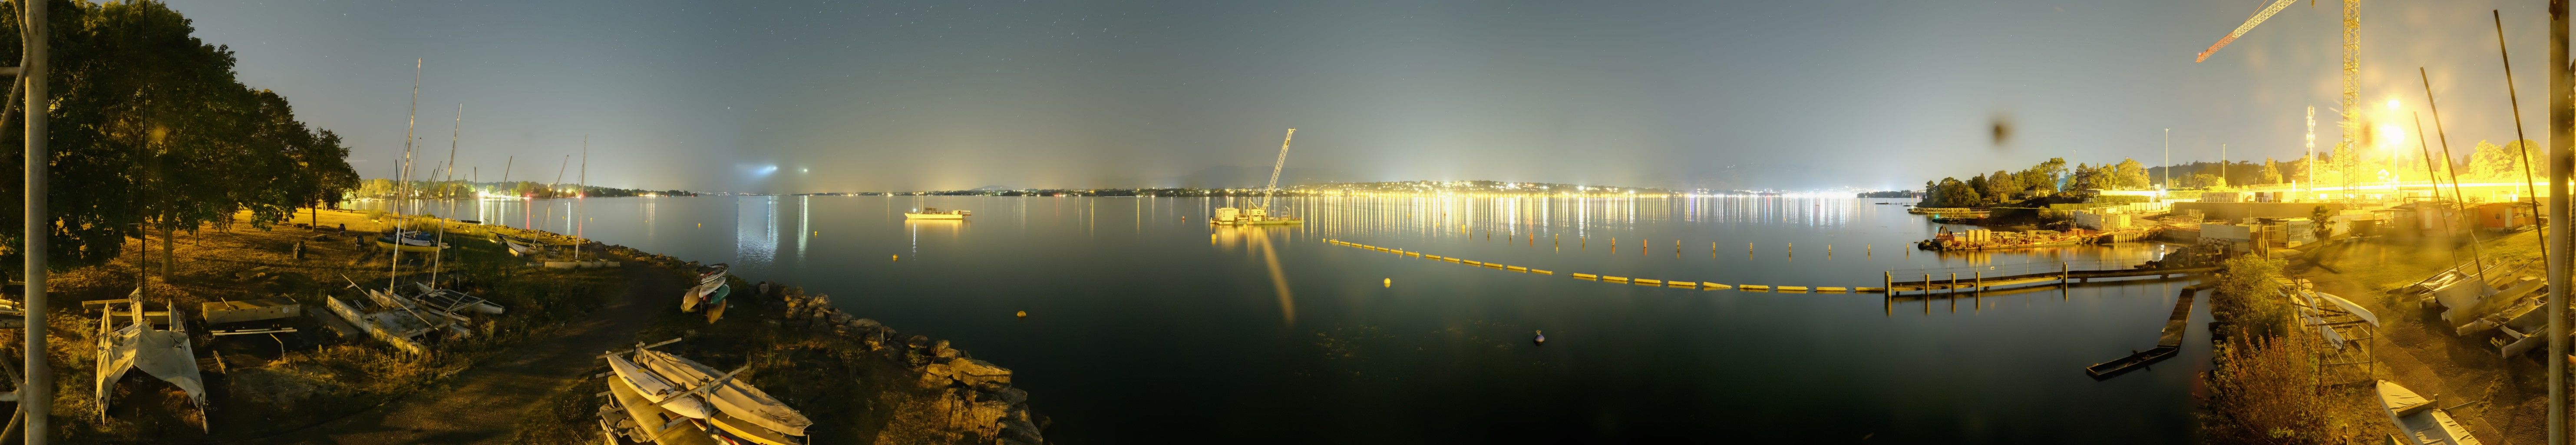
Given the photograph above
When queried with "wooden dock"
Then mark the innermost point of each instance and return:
(2168, 340)
(1976, 282)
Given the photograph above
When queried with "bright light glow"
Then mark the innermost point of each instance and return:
(2390, 135)
(2392, 105)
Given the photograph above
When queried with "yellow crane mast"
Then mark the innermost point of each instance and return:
(2351, 58)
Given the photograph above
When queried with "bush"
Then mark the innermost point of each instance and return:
(2118, 199)
(2265, 390)
(2249, 299)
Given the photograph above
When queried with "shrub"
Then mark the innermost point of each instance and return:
(2248, 299)
(2264, 390)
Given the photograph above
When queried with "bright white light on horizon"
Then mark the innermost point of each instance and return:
(2390, 135)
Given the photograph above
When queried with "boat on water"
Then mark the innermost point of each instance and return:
(1229, 216)
(935, 213)
(710, 291)
(722, 407)
(2422, 422)
(2135, 360)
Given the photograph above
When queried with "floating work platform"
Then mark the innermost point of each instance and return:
(1954, 282)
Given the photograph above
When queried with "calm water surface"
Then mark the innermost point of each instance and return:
(1145, 326)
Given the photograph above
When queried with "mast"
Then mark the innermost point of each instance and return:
(402, 181)
(447, 185)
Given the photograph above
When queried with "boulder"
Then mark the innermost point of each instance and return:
(936, 375)
(972, 372)
(940, 349)
(840, 318)
(872, 325)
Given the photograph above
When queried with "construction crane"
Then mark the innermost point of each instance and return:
(2351, 58)
(1273, 188)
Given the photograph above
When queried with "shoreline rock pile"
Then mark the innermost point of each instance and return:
(973, 400)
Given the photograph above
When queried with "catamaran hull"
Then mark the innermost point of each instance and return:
(408, 247)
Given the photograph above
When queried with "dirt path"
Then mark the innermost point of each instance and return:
(484, 404)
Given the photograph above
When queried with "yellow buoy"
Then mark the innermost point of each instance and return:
(1024, 314)
(1390, 282)
(898, 257)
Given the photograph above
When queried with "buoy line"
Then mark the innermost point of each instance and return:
(1704, 285)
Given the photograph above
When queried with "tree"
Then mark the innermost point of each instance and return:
(2130, 175)
(2000, 186)
(2271, 171)
(2042, 179)
(1953, 193)
(149, 128)
(1978, 184)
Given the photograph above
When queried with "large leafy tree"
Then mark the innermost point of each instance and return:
(150, 128)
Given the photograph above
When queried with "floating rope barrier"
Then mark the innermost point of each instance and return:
(1703, 285)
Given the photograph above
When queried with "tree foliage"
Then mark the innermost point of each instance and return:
(150, 127)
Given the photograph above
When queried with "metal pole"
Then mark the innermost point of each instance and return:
(2562, 123)
(2515, 99)
(37, 396)
(2459, 200)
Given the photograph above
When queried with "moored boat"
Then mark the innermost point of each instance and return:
(935, 213)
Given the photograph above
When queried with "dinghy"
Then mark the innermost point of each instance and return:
(2422, 422)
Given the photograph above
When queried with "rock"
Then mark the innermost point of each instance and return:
(916, 341)
(872, 325)
(1013, 396)
(972, 372)
(936, 375)
(940, 349)
(840, 318)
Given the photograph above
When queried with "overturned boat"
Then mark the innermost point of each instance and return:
(2422, 423)
(411, 241)
(710, 290)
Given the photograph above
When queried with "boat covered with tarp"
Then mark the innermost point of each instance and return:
(2422, 422)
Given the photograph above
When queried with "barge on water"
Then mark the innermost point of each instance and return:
(1982, 239)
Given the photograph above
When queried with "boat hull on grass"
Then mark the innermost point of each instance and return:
(2420, 419)
(382, 244)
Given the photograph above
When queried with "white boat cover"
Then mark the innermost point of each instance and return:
(2423, 423)
(733, 397)
(164, 354)
(657, 390)
(2397, 400)
(2355, 309)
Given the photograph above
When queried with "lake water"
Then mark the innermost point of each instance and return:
(1144, 326)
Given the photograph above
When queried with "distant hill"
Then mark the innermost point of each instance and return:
(1234, 176)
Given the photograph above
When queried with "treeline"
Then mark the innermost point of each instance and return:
(2046, 180)
(2484, 162)
(388, 189)
(150, 130)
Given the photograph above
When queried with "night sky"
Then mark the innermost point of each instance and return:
(793, 96)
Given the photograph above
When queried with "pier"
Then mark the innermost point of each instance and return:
(1977, 280)
(2168, 340)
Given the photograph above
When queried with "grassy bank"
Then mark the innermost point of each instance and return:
(261, 385)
